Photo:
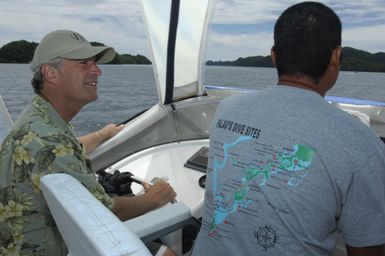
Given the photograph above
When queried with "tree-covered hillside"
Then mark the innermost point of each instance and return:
(22, 52)
(17, 52)
(352, 60)
(357, 60)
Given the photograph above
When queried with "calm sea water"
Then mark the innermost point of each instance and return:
(125, 90)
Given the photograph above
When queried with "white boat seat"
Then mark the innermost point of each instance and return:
(161, 221)
(86, 225)
(6, 122)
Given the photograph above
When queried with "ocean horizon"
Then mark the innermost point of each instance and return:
(125, 90)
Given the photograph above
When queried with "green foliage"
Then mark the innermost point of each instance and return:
(22, 52)
(130, 59)
(352, 60)
(17, 52)
(255, 61)
(357, 60)
(125, 58)
(258, 61)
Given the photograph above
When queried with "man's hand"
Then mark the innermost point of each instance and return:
(160, 193)
(156, 195)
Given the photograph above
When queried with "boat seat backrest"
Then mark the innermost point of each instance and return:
(86, 225)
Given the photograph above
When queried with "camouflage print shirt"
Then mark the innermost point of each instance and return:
(41, 142)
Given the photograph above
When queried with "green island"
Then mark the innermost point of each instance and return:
(352, 59)
(22, 52)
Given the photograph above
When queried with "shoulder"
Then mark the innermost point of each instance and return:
(237, 99)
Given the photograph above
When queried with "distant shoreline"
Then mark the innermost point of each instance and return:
(352, 59)
(22, 52)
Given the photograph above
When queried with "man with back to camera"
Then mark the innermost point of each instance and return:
(43, 141)
(288, 171)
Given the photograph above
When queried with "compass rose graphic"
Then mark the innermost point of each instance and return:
(266, 237)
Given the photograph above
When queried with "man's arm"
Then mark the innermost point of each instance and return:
(93, 139)
(378, 250)
(157, 195)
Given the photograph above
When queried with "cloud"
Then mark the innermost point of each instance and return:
(371, 39)
(239, 28)
(244, 28)
(113, 22)
(245, 11)
(235, 46)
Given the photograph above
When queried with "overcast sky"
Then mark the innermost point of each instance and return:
(239, 28)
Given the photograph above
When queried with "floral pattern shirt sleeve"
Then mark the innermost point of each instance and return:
(40, 143)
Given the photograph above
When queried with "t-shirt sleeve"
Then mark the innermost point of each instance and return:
(362, 219)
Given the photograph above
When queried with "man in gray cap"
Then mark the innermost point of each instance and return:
(43, 141)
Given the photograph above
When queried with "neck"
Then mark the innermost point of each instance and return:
(62, 109)
(303, 83)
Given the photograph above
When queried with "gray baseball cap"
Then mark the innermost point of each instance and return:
(68, 45)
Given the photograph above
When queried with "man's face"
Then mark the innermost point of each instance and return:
(78, 81)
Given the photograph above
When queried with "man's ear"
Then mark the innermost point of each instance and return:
(273, 56)
(336, 58)
(49, 73)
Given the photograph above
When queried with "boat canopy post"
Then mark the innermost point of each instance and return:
(174, 17)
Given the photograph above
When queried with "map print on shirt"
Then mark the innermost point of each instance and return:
(288, 165)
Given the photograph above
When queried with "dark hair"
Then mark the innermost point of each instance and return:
(305, 36)
(38, 79)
